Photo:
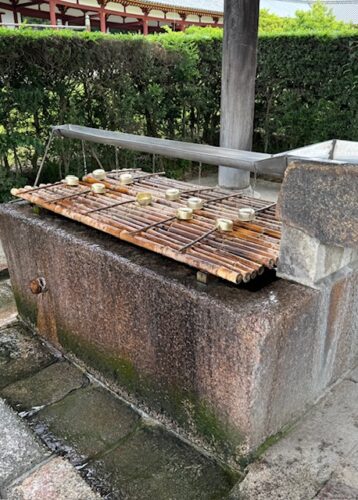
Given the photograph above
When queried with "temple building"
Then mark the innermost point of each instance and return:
(145, 16)
(142, 16)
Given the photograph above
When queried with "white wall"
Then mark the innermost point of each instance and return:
(8, 16)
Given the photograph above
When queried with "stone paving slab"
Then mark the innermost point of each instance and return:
(19, 449)
(153, 464)
(299, 465)
(54, 480)
(86, 422)
(353, 376)
(45, 387)
(343, 485)
(7, 302)
(21, 354)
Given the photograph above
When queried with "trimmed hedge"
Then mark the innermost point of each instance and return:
(166, 86)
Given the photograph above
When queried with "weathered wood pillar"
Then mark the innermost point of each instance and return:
(238, 83)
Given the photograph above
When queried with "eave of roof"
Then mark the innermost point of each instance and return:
(158, 5)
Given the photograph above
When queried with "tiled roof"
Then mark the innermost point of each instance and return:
(195, 5)
(210, 5)
(279, 7)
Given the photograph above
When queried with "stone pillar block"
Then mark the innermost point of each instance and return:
(318, 206)
(306, 260)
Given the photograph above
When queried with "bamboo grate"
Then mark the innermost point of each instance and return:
(236, 256)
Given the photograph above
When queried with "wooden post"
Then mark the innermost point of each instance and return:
(145, 21)
(102, 20)
(238, 83)
(53, 19)
(145, 26)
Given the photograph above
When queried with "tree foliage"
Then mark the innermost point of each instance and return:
(165, 85)
(318, 19)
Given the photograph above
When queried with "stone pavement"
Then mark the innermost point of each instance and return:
(29, 471)
(318, 458)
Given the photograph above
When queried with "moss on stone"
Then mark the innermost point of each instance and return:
(118, 369)
(25, 309)
(185, 407)
(209, 425)
(270, 441)
(36, 210)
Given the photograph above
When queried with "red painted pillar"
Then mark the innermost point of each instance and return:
(145, 26)
(102, 20)
(53, 19)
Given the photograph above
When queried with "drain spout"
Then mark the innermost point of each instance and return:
(38, 285)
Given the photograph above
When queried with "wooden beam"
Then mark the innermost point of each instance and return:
(238, 83)
(26, 11)
(29, 4)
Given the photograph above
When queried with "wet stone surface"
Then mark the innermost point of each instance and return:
(152, 464)
(85, 423)
(19, 449)
(116, 451)
(45, 387)
(21, 354)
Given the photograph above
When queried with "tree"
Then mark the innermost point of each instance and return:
(318, 19)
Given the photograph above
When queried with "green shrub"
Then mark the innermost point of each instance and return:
(166, 86)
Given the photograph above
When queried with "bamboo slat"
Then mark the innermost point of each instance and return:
(236, 256)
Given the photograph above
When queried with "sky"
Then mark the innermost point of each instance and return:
(281, 7)
(284, 9)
